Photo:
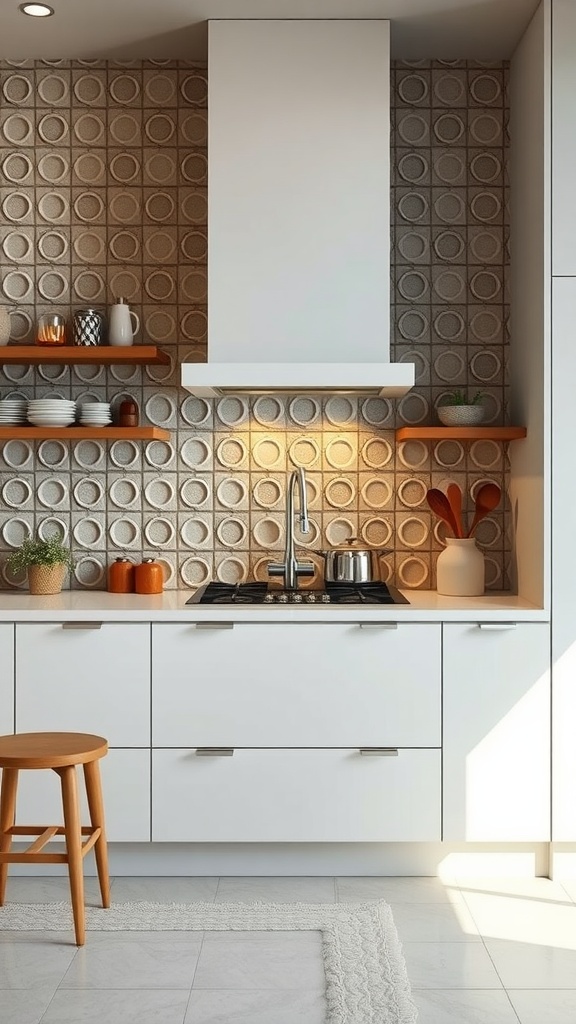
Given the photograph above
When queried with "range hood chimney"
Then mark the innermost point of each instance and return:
(299, 210)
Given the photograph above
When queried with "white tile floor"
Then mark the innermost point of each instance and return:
(478, 952)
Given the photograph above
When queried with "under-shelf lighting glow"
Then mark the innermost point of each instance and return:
(37, 10)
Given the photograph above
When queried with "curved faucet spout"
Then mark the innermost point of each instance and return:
(291, 568)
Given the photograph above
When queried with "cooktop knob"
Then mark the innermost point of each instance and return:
(268, 599)
(282, 598)
(296, 598)
(310, 598)
(325, 598)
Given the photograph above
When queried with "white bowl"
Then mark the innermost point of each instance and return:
(460, 415)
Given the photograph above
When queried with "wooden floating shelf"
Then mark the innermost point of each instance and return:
(460, 433)
(84, 433)
(105, 355)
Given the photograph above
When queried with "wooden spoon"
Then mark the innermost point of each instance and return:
(441, 506)
(454, 495)
(487, 498)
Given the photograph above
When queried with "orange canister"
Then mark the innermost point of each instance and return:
(149, 578)
(121, 577)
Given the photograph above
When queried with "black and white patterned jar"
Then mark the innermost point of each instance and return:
(88, 327)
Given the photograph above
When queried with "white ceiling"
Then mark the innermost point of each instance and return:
(123, 29)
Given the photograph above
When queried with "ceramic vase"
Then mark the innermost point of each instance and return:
(460, 569)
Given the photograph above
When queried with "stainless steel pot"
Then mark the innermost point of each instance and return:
(351, 564)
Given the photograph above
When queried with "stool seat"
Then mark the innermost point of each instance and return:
(50, 749)
(61, 752)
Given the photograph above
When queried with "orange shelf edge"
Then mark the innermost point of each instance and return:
(84, 433)
(460, 433)
(105, 355)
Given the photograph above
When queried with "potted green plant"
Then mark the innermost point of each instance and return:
(457, 409)
(46, 562)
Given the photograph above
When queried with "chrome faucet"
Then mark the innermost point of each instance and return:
(291, 568)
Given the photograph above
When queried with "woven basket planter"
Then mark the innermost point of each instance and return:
(46, 579)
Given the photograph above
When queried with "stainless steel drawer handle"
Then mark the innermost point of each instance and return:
(214, 625)
(496, 625)
(379, 751)
(215, 752)
(378, 625)
(81, 625)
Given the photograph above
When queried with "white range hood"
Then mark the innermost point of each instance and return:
(299, 210)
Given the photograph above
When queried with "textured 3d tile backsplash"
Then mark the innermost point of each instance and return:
(103, 173)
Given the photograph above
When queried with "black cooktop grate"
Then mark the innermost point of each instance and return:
(331, 593)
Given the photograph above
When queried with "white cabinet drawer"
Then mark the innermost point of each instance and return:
(295, 796)
(296, 685)
(85, 680)
(6, 679)
(126, 791)
(497, 733)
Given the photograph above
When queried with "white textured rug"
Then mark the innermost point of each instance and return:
(366, 979)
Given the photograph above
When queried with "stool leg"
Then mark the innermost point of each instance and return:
(7, 818)
(74, 848)
(96, 808)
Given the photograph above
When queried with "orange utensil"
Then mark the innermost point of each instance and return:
(454, 495)
(441, 506)
(487, 498)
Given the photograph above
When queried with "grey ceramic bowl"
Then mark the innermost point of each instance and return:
(460, 415)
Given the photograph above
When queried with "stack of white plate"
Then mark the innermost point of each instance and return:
(51, 412)
(95, 414)
(12, 412)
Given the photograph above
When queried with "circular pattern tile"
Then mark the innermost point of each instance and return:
(194, 572)
(376, 532)
(195, 411)
(18, 129)
(268, 453)
(125, 129)
(304, 452)
(88, 492)
(196, 453)
(340, 492)
(195, 532)
(89, 571)
(88, 533)
(267, 492)
(159, 532)
(232, 570)
(194, 492)
(376, 453)
(376, 493)
(231, 452)
(231, 492)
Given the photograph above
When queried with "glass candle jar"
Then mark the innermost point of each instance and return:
(51, 329)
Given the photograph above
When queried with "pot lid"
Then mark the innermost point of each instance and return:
(354, 545)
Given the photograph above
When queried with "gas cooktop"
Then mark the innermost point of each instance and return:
(330, 593)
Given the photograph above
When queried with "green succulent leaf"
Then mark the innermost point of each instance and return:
(459, 397)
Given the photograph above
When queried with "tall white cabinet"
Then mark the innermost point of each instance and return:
(543, 363)
(563, 90)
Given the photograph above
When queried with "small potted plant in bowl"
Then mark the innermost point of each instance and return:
(458, 410)
(46, 562)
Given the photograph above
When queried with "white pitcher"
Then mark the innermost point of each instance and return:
(120, 329)
(5, 324)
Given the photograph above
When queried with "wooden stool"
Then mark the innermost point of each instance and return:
(60, 751)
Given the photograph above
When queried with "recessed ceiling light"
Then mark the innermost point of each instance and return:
(37, 10)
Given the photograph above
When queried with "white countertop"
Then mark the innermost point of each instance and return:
(98, 605)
